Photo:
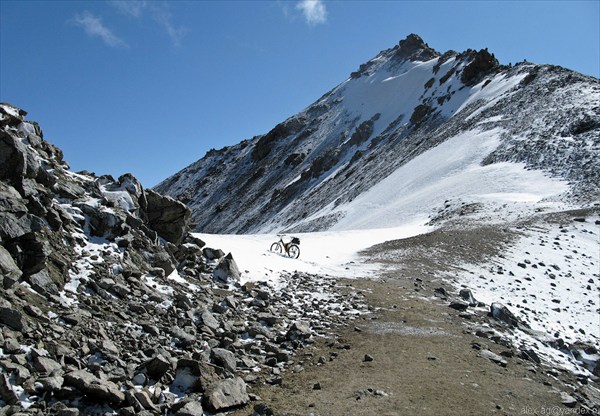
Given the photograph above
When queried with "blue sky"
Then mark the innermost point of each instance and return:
(148, 87)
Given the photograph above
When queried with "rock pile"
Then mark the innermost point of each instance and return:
(109, 304)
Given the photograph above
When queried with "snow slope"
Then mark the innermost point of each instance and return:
(451, 170)
(549, 279)
(333, 254)
(400, 206)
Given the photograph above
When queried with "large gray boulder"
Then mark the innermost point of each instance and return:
(12, 317)
(226, 394)
(168, 217)
(42, 283)
(190, 408)
(227, 270)
(501, 313)
(94, 388)
(225, 359)
(8, 269)
(13, 159)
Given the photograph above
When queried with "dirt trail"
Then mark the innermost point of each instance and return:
(425, 361)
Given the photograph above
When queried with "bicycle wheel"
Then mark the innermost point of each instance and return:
(276, 248)
(294, 251)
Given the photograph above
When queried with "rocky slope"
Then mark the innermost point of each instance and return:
(304, 173)
(109, 306)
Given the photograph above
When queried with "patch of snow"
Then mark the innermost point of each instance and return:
(450, 170)
(549, 279)
(324, 253)
(150, 281)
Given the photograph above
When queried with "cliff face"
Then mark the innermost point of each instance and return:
(408, 99)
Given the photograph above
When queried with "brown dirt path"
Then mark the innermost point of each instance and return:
(424, 362)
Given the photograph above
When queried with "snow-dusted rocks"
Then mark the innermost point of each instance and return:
(107, 300)
(502, 313)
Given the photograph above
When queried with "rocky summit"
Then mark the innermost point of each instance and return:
(109, 306)
(309, 171)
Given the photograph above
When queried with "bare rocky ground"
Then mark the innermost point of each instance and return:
(413, 354)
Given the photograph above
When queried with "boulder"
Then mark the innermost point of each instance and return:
(163, 260)
(190, 408)
(493, 357)
(94, 388)
(42, 283)
(19, 373)
(6, 392)
(45, 365)
(52, 383)
(227, 270)
(13, 159)
(299, 330)
(209, 320)
(212, 253)
(8, 269)
(168, 217)
(157, 366)
(30, 251)
(12, 318)
(183, 338)
(467, 296)
(459, 305)
(501, 313)
(225, 359)
(226, 394)
(205, 372)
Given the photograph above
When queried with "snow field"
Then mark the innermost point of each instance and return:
(550, 279)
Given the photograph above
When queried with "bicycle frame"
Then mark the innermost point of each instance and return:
(290, 248)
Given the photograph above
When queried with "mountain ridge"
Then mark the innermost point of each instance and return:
(403, 102)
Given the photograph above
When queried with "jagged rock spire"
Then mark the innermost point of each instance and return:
(414, 48)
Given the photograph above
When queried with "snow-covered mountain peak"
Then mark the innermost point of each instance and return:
(306, 172)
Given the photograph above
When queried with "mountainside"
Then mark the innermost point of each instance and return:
(309, 171)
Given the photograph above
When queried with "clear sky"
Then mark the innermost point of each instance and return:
(148, 87)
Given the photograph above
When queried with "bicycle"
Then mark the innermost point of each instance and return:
(291, 248)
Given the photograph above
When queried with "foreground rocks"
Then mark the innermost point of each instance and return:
(109, 304)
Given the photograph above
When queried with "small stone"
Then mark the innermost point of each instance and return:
(567, 399)
(368, 358)
(191, 408)
(493, 357)
(262, 409)
(459, 305)
(317, 386)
